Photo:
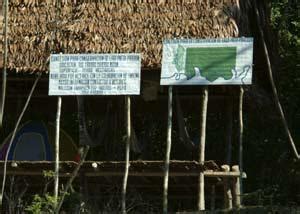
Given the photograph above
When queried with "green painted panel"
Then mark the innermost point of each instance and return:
(212, 62)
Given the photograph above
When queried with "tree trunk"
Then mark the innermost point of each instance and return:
(275, 93)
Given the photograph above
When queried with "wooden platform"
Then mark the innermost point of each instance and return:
(100, 179)
(111, 168)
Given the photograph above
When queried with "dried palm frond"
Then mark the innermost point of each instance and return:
(105, 26)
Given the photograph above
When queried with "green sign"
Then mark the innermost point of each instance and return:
(207, 62)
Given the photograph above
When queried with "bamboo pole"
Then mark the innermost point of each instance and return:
(14, 134)
(57, 130)
(128, 119)
(4, 72)
(168, 151)
(201, 199)
(83, 151)
(56, 178)
(275, 93)
(241, 132)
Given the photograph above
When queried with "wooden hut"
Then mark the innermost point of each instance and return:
(37, 28)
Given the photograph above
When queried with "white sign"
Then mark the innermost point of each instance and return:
(207, 61)
(95, 74)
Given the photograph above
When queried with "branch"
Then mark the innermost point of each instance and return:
(14, 134)
(274, 90)
(73, 176)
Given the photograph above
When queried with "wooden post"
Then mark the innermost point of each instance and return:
(227, 190)
(236, 188)
(128, 118)
(201, 199)
(168, 151)
(57, 130)
(4, 73)
(241, 131)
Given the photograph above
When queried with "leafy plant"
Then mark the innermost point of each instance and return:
(41, 204)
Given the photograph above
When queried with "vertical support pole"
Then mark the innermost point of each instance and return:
(241, 132)
(236, 188)
(227, 190)
(57, 130)
(201, 199)
(4, 73)
(128, 130)
(168, 151)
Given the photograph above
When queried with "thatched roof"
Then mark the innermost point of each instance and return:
(39, 27)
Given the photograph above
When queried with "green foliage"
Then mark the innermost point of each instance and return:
(48, 173)
(286, 25)
(42, 204)
(267, 152)
(285, 20)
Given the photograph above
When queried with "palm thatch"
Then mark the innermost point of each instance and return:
(39, 27)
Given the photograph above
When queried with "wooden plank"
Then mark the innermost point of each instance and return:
(105, 174)
(114, 167)
(224, 174)
(144, 174)
(208, 174)
(33, 173)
